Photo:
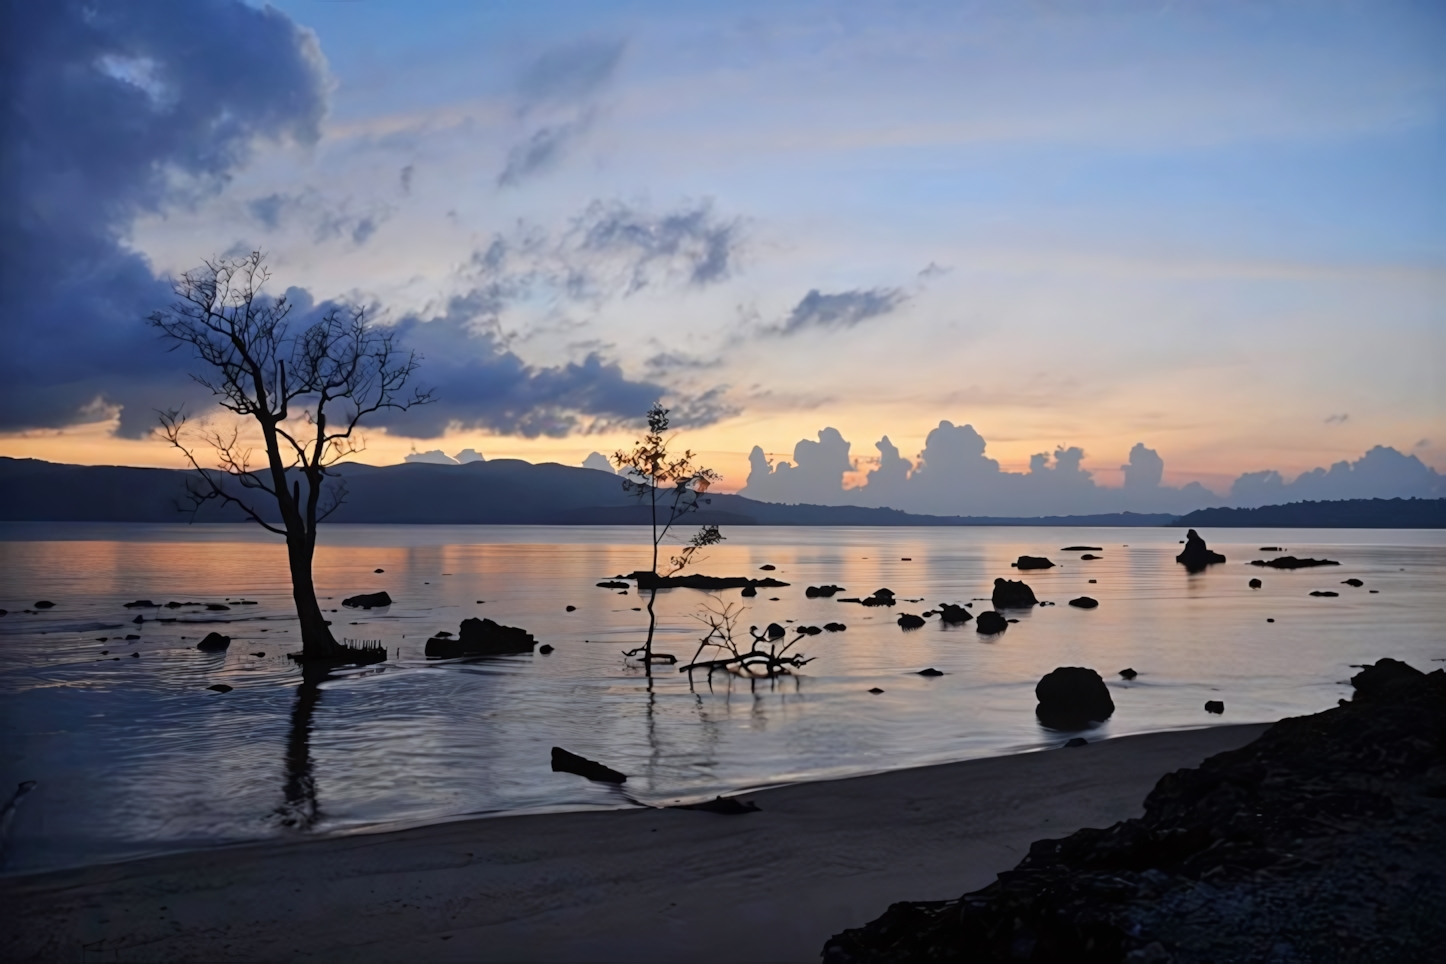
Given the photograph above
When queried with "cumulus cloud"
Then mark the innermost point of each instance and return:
(468, 455)
(557, 103)
(1382, 472)
(434, 457)
(953, 475)
(598, 461)
(839, 310)
(108, 109)
(814, 476)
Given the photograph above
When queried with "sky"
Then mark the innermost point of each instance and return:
(1096, 235)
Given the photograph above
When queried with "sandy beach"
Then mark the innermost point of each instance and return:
(636, 885)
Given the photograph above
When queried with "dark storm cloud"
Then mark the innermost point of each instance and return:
(480, 384)
(106, 104)
(844, 309)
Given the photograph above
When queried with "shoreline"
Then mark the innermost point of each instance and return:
(597, 885)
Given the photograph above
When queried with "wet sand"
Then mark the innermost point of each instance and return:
(636, 885)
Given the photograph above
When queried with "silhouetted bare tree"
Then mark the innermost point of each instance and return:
(307, 388)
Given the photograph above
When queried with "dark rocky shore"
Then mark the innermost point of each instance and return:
(1322, 841)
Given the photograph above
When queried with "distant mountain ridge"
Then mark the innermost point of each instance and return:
(1344, 514)
(496, 492)
(513, 492)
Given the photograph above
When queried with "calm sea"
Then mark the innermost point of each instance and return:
(133, 754)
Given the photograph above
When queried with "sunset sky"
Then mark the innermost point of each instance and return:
(1217, 229)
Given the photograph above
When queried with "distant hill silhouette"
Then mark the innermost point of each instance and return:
(497, 492)
(1344, 514)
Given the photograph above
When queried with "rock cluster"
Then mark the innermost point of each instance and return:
(1291, 562)
(1323, 840)
(826, 592)
(951, 614)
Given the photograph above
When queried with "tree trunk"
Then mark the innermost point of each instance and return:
(317, 642)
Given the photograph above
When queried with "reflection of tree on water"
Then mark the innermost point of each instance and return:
(299, 810)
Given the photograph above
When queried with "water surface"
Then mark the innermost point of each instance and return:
(134, 755)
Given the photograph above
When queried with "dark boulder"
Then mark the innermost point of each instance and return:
(1128, 674)
(1380, 678)
(45, 604)
(219, 687)
(875, 690)
(1255, 584)
(214, 643)
(1214, 706)
(807, 630)
(481, 637)
(813, 592)
(835, 627)
(1072, 697)
(1012, 594)
(565, 762)
(990, 622)
(748, 591)
(1032, 562)
(1291, 562)
(368, 600)
(1324, 592)
(1090, 556)
(881, 597)
(775, 631)
(571, 609)
(544, 649)
(931, 671)
(953, 615)
(910, 621)
(1084, 602)
(1352, 582)
(142, 604)
(1196, 555)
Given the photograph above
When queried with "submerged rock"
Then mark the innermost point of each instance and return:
(1352, 582)
(1082, 549)
(910, 621)
(219, 687)
(1196, 555)
(1255, 584)
(481, 637)
(726, 806)
(1012, 594)
(931, 671)
(826, 592)
(953, 615)
(565, 762)
(1291, 562)
(142, 604)
(1325, 592)
(368, 600)
(1084, 602)
(45, 604)
(748, 591)
(1072, 697)
(613, 584)
(214, 643)
(648, 580)
(990, 623)
(1128, 674)
(834, 627)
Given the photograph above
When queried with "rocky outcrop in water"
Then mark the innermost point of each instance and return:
(480, 637)
(1084, 602)
(367, 600)
(1012, 594)
(214, 643)
(910, 621)
(826, 592)
(1291, 562)
(1323, 840)
(1196, 555)
(1071, 698)
(990, 622)
(1032, 562)
(649, 580)
(952, 615)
